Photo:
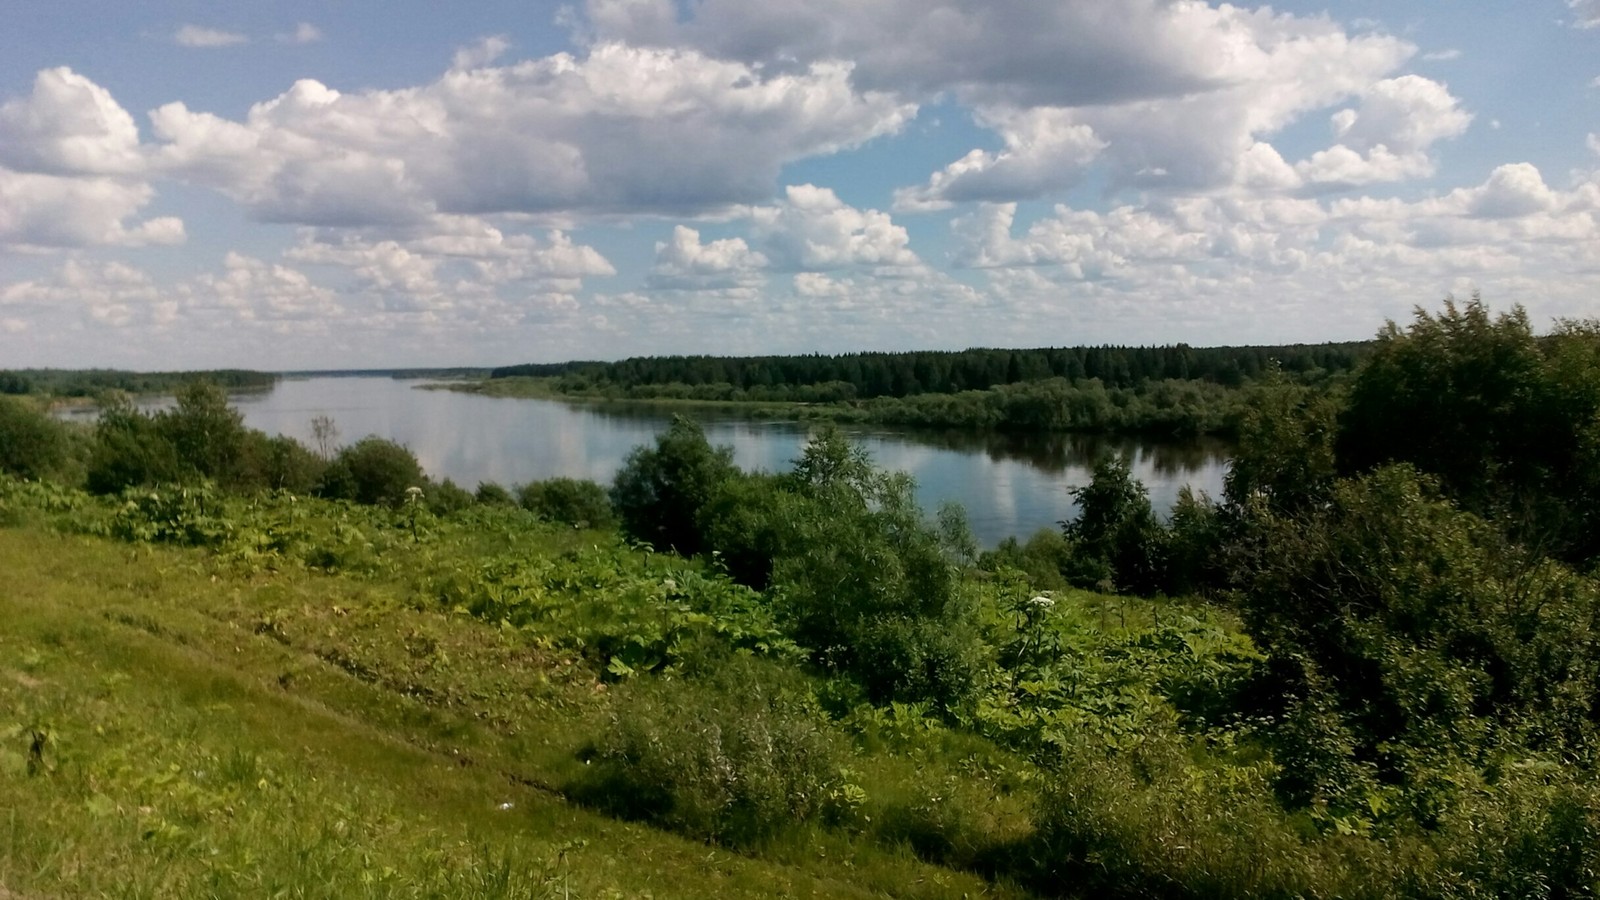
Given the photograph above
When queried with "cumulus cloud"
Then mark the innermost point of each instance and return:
(303, 33)
(56, 211)
(111, 294)
(258, 290)
(482, 53)
(68, 125)
(1387, 137)
(199, 36)
(813, 230)
(1177, 96)
(1511, 191)
(685, 263)
(1585, 13)
(1046, 149)
(618, 130)
(451, 262)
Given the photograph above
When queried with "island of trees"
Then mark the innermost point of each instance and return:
(1163, 391)
(1370, 669)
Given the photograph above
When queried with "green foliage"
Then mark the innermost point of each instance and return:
(1116, 540)
(446, 498)
(867, 584)
(1509, 423)
(207, 435)
(1285, 456)
(130, 449)
(492, 494)
(372, 471)
(1419, 632)
(282, 463)
(569, 501)
(736, 759)
(32, 444)
(1152, 823)
(660, 491)
(1043, 558)
(189, 516)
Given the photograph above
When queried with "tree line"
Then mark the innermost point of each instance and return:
(869, 375)
(95, 382)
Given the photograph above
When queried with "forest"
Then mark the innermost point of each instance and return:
(1174, 391)
(868, 375)
(1371, 668)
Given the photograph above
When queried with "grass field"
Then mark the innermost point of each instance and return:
(170, 727)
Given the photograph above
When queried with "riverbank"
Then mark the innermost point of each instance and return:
(1162, 410)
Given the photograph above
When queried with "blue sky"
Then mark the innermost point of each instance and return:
(355, 184)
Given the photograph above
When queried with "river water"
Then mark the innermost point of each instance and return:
(1009, 484)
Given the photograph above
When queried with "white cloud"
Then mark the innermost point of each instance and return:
(1166, 95)
(257, 290)
(1512, 191)
(451, 263)
(813, 230)
(1585, 13)
(199, 36)
(1388, 136)
(1446, 55)
(68, 125)
(108, 294)
(1045, 150)
(56, 211)
(303, 33)
(620, 130)
(482, 53)
(685, 263)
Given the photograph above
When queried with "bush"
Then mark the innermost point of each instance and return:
(570, 501)
(208, 436)
(129, 450)
(32, 445)
(446, 497)
(1116, 541)
(491, 494)
(1152, 823)
(372, 471)
(283, 464)
(660, 491)
(735, 760)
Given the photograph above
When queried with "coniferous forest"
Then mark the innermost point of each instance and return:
(1370, 668)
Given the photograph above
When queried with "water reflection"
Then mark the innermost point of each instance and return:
(1009, 484)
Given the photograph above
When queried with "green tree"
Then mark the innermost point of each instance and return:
(1508, 422)
(372, 471)
(660, 491)
(570, 501)
(32, 444)
(129, 449)
(1116, 539)
(207, 434)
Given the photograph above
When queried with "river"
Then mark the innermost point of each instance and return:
(1009, 484)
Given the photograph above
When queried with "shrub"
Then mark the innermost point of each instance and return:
(208, 436)
(372, 471)
(492, 494)
(129, 449)
(283, 464)
(1116, 539)
(735, 760)
(1152, 823)
(32, 444)
(446, 497)
(660, 491)
(569, 501)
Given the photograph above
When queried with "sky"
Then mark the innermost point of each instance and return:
(299, 185)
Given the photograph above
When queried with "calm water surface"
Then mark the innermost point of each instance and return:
(1009, 484)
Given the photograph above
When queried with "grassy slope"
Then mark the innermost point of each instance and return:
(209, 733)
